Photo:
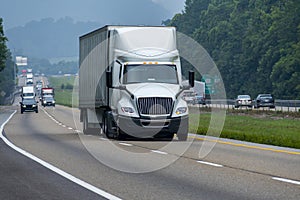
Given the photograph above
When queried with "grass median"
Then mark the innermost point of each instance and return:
(277, 129)
(63, 87)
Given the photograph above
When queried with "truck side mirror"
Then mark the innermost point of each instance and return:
(109, 79)
(192, 78)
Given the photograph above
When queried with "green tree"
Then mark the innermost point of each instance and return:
(3, 48)
(255, 43)
(6, 68)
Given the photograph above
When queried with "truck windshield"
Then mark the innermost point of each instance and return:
(150, 74)
(28, 94)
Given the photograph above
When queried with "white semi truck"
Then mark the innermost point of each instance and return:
(130, 83)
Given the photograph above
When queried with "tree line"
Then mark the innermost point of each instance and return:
(254, 43)
(6, 68)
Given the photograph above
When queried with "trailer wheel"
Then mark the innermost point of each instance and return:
(85, 125)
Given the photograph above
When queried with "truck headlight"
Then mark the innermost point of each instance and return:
(127, 109)
(33, 105)
(53, 101)
(24, 106)
(45, 101)
(181, 110)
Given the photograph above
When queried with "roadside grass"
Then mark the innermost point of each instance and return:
(263, 129)
(63, 87)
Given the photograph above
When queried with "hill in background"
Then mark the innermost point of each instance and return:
(48, 38)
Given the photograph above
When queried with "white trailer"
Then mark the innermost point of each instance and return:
(28, 92)
(130, 83)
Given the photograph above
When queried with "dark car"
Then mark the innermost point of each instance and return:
(29, 104)
(48, 101)
(264, 100)
(200, 99)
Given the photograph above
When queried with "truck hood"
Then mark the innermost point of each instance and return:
(153, 90)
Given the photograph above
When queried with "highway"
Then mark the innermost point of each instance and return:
(136, 169)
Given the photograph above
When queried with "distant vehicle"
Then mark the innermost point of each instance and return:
(264, 100)
(24, 72)
(47, 91)
(29, 81)
(48, 100)
(243, 100)
(29, 104)
(189, 96)
(29, 75)
(28, 92)
(200, 99)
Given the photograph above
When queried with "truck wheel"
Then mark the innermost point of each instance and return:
(36, 111)
(22, 111)
(182, 133)
(106, 128)
(110, 130)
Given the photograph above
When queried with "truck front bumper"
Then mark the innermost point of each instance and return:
(152, 127)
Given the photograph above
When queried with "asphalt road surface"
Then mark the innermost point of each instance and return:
(132, 169)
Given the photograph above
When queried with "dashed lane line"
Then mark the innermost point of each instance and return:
(209, 163)
(286, 180)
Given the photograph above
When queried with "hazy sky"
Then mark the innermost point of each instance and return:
(147, 12)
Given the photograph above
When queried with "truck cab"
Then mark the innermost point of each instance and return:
(139, 90)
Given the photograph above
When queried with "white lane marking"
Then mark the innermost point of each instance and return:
(286, 180)
(55, 169)
(104, 139)
(209, 163)
(70, 128)
(159, 152)
(125, 144)
(77, 131)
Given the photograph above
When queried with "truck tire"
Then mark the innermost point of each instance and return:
(85, 125)
(106, 128)
(182, 133)
(182, 136)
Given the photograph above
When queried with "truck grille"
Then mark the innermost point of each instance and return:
(155, 105)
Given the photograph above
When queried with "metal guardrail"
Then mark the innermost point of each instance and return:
(280, 105)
